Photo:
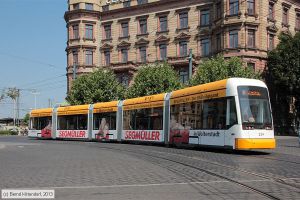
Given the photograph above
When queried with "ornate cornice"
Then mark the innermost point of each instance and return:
(141, 41)
(182, 36)
(124, 44)
(162, 39)
(106, 47)
(68, 14)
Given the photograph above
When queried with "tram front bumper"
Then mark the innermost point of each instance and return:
(255, 143)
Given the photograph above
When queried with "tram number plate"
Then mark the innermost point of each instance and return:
(261, 134)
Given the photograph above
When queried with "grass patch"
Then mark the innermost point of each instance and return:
(6, 132)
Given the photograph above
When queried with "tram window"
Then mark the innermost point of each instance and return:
(108, 118)
(214, 114)
(143, 119)
(72, 122)
(232, 112)
(186, 116)
(208, 114)
(38, 123)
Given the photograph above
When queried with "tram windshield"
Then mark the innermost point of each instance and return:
(38, 123)
(255, 107)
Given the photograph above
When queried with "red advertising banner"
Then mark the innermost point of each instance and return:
(179, 136)
(72, 134)
(143, 135)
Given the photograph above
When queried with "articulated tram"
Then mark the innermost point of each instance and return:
(234, 113)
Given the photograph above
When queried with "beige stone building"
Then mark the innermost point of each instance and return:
(123, 34)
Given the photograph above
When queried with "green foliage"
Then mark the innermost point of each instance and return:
(284, 63)
(218, 68)
(283, 80)
(99, 86)
(154, 79)
(26, 119)
(8, 132)
(2, 95)
(13, 93)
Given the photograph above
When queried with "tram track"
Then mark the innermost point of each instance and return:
(209, 172)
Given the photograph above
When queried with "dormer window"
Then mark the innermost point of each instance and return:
(76, 6)
(89, 6)
(140, 2)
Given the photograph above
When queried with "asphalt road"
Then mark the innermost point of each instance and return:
(91, 170)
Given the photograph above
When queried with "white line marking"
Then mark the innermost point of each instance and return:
(141, 185)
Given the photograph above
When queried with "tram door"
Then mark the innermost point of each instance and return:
(213, 122)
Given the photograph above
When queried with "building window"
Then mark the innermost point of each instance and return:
(183, 75)
(183, 48)
(271, 42)
(125, 32)
(271, 11)
(126, 4)
(107, 31)
(251, 66)
(251, 7)
(233, 39)
(205, 47)
(298, 21)
(89, 57)
(163, 51)
(218, 10)
(75, 31)
(76, 6)
(163, 23)
(233, 7)
(105, 8)
(140, 2)
(251, 38)
(218, 41)
(143, 54)
(124, 79)
(89, 6)
(205, 17)
(285, 16)
(124, 55)
(89, 31)
(75, 57)
(107, 58)
(143, 26)
(183, 20)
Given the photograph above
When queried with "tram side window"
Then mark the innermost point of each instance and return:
(108, 119)
(214, 114)
(208, 114)
(186, 116)
(72, 122)
(143, 119)
(232, 112)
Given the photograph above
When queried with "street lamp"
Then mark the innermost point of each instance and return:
(34, 92)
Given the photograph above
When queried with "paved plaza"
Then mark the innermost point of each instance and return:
(92, 170)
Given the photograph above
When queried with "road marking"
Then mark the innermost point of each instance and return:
(143, 185)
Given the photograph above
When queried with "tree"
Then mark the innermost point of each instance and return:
(99, 86)
(14, 94)
(2, 95)
(218, 68)
(154, 79)
(283, 80)
(26, 119)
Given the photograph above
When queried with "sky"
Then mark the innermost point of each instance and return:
(32, 53)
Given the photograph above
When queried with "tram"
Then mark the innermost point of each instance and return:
(234, 113)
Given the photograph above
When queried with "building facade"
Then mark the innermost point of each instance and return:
(124, 34)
